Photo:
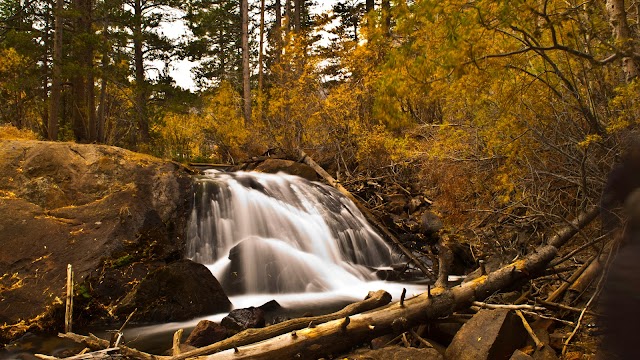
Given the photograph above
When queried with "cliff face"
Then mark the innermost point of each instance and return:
(113, 214)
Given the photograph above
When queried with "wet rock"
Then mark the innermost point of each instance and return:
(242, 319)
(395, 353)
(206, 333)
(396, 203)
(273, 166)
(271, 305)
(430, 223)
(489, 335)
(177, 292)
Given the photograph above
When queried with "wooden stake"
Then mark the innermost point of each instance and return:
(68, 318)
(177, 337)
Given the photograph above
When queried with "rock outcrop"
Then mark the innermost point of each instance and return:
(113, 214)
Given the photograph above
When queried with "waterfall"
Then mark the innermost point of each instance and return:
(276, 234)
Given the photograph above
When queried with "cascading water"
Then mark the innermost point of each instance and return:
(279, 237)
(265, 233)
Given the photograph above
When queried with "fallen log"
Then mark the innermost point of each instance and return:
(338, 336)
(365, 211)
(249, 336)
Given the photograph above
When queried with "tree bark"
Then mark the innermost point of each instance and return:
(56, 77)
(246, 84)
(622, 33)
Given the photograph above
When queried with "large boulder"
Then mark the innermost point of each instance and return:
(113, 214)
(489, 335)
(176, 292)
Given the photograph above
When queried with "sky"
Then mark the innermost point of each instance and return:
(181, 70)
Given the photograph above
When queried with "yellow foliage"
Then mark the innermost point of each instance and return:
(215, 132)
(10, 132)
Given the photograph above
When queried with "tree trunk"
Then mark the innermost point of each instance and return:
(141, 88)
(277, 31)
(246, 85)
(83, 115)
(369, 5)
(260, 60)
(297, 16)
(386, 16)
(260, 56)
(622, 33)
(287, 14)
(56, 80)
(373, 301)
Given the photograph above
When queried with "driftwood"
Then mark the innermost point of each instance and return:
(365, 211)
(337, 336)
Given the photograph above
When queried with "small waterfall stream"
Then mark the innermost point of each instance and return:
(278, 234)
(279, 237)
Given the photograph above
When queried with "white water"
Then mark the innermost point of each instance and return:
(280, 234)
(303, 244)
